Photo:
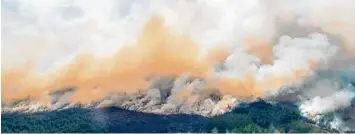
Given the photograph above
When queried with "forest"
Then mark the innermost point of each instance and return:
(255, 117)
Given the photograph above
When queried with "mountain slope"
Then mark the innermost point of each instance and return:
(257, 116)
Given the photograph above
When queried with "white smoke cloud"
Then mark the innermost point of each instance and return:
(335, 110)
(334, 17)
(48, 31)
(289, 55)
(293, 53)
(64, 27)
(322, 105)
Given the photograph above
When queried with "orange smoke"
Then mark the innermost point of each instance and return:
(248, 85)
(157, 51)
(260, 48)
(217, 54)
(21, 82)
(10, 78)
(239, 86)
(184, 93)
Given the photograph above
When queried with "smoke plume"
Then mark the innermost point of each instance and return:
(181, 52)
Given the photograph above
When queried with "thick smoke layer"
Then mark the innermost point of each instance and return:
(237, 49)
(159, 53)
(318, 105)
(156, 53)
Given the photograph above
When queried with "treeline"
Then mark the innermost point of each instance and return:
(262, 117)
(255, 117)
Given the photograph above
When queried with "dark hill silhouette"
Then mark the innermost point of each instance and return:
(258, 116)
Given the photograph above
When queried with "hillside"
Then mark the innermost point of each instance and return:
(258, 116)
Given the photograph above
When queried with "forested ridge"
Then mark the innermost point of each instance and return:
(258, 116)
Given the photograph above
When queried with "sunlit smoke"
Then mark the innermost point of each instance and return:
(235, 47)
(157, 52)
